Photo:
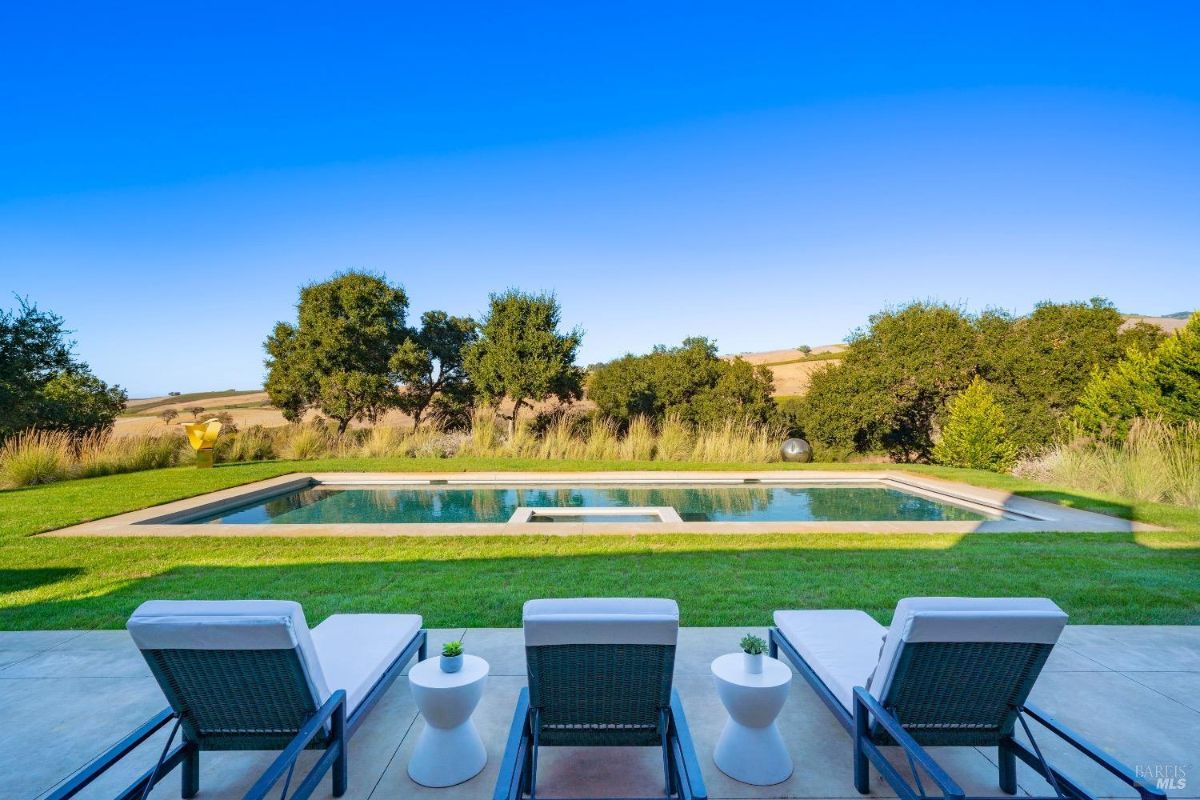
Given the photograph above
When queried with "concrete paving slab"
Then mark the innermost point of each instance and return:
(53, 726)
(34, 640)
(1133, 723)
(1132, 648)
(492, 718)
(1182, 687)
(699, 646)
(97, 640)
(1065, 659)
(502, 648)
(124, 662)
(10, 657)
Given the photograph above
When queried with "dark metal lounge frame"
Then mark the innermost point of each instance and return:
(295, 725)
(564, 712)
(986, 718)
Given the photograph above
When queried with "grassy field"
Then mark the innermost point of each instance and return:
(457, 581)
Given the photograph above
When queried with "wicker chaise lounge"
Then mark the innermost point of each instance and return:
(600, 674)
(949, 671)
(250, 675)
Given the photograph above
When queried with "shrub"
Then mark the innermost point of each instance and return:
(32, 457)
(974, 436)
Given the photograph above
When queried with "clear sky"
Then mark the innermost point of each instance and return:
(767, 175)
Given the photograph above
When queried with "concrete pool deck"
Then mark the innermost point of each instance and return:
(1016, 514)
(68, 695)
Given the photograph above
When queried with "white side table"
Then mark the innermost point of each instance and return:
(449, 750)
(750, 748)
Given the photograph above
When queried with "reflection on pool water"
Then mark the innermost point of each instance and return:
(325, 504)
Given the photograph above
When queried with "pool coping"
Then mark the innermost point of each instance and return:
(1023, 514)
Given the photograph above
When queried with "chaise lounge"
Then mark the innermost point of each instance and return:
(600, 674)
(250, 675)
(950, 671)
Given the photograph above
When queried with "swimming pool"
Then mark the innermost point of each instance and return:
(321, 504)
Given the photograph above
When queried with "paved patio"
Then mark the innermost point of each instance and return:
(67, 695)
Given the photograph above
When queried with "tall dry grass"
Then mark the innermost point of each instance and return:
(33, 457)
(1156, 463)
(36, 457)
(638, 443)
(307, 441)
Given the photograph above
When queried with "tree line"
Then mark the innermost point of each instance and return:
(352, 356)
(924, 381)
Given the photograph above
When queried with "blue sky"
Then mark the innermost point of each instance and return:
(767, 175)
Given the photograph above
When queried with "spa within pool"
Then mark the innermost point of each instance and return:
(333, 504)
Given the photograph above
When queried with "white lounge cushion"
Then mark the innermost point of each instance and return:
(601, 620)
(1035, 620)
(229, 625)
(842, 647)
(356, 649)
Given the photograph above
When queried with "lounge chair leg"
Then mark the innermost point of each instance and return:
(423, 649)
(190, 772)
(341, 772)
(772, 645)
(862, 768)
(1007, 757)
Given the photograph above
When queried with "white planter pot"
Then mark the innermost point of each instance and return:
(452, 663)
(753, 663)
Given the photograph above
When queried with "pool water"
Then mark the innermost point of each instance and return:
(695, 503)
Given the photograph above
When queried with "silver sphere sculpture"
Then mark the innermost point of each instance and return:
(796, 450)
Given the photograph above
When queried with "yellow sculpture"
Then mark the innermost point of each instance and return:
(202, 436)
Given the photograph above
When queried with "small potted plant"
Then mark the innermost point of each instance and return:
(753, 649)
(452, 656)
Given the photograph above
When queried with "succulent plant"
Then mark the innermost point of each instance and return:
(452, 648)
(753, 645)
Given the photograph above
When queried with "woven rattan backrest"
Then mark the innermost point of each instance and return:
(963, 692)
(235, 699)
(600, 693)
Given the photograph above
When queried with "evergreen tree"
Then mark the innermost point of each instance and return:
(974, 436)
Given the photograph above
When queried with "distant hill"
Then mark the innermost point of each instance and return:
(1179, 315)
(1170, 323)
(792, 369)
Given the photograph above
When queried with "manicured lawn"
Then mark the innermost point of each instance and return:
(469, 581)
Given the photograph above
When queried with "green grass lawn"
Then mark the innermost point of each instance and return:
(476, 581)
